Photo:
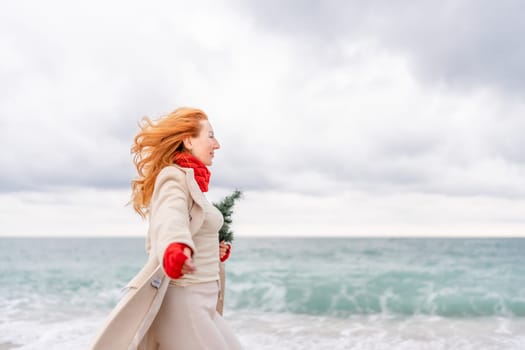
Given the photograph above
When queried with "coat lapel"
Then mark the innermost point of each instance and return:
(197, 212)
(195, 191)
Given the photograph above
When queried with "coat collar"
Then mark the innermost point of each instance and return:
(193, 187)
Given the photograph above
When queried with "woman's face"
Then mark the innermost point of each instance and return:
(203, 145)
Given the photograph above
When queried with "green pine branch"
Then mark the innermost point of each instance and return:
(226, 208)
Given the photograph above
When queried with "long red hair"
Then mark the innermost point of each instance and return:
(154, 148)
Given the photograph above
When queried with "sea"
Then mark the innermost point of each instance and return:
(285, 293)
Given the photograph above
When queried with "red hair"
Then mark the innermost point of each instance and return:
(154, 148)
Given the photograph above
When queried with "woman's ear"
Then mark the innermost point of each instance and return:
(187, 143)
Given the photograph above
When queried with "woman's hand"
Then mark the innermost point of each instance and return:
(189, 266)
(177, 260)
(224, 251)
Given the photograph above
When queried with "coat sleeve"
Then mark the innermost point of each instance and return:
(169, 212)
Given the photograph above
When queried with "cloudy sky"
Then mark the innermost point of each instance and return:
(336, 118)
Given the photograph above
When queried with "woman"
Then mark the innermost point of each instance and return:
(178, 311)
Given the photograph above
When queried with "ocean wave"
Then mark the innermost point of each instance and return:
(392, 294)
(332, 300)
(280, 331)
(344, 277)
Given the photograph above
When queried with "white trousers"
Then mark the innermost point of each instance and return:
(187, 320)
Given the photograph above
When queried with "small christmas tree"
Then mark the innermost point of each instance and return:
(225, 234)
(226, 208)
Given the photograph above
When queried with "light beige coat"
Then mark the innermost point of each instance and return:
(176, 214)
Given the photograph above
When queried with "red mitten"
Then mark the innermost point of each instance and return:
(174, 258)
(227, 255)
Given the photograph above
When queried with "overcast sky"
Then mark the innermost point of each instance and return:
(336, 118)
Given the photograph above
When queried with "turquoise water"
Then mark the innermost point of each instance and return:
(286, 293)
(343, 277)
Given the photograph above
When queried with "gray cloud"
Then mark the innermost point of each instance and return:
(463, 43)
(314, 126)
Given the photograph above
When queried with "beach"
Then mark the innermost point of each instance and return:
(289, 293)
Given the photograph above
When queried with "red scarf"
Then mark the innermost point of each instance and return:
(201, 173)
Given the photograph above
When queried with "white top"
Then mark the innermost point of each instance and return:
(206, 255)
